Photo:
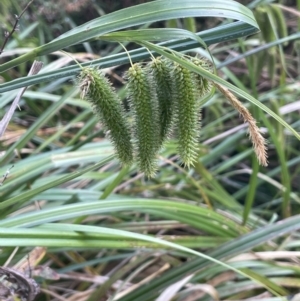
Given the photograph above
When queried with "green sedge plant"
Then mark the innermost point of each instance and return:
(44, 228)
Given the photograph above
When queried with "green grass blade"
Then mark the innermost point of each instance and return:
(24, 197)
(140, 14)
(242, 244)
(221, 33)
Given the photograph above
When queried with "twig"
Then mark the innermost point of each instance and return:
(36, 67)
(7, 34)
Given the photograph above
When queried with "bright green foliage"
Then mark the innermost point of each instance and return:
(106, 104)
(160, 69)
(188, 124)
(144, 106)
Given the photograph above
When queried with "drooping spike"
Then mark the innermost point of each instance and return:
(188, 124)
(144, 105)
(161, 72)
(106, 104)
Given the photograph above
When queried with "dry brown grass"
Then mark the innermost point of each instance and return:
(258, 141)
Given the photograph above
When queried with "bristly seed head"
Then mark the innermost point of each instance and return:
(85, 83)
(185, 98)
(106, 104)
(203, 85)
(160, 70)
(144, 105)
(162, 95)
(258, 141)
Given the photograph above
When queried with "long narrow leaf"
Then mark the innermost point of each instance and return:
(211, 36)
(140, 14)
(245, 243)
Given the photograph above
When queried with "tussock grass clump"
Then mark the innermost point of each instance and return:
(106, 104)
(143, 101)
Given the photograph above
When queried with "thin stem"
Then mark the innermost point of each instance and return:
(7, 34)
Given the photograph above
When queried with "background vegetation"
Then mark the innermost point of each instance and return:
(108, 229)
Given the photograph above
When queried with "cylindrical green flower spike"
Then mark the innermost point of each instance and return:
(144, 105)
(106, 104)
(203, 86)
(188, 124)
(161, 72)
